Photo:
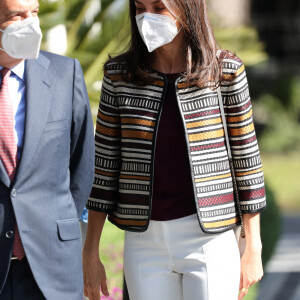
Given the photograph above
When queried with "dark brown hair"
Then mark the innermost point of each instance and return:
(203, 66)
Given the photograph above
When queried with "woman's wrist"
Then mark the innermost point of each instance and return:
(91, 249)
(254, 244)
(252, 231)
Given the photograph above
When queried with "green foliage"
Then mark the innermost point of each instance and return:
(277, 105)
(50, 14)
(276, 96)
(252, 294)
(285, 88)
(243, 41)
(95, 29)
(282, 174)
(270, 226)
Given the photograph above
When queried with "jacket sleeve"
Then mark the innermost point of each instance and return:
(108, 155)
(82, 142)
(243, 142)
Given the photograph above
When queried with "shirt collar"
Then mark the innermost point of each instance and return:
(18, 70)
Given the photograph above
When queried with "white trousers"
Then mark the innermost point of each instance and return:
(175, 260)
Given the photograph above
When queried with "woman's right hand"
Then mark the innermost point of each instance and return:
(94, 276)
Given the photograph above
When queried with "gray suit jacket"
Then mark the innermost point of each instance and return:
(53, 179)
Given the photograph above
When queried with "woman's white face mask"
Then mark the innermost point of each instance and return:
(22, 39)
(156, 30)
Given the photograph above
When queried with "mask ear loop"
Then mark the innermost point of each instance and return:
(180, 29)
(180, 26)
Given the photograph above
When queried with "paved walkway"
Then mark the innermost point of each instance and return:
(282, 274)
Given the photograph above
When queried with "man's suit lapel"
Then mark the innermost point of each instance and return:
(40, 83)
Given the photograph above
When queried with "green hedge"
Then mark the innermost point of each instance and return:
(270, 226)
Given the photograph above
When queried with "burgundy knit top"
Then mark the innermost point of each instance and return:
(173, 195)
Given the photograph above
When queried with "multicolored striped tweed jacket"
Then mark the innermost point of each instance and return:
(127, 124)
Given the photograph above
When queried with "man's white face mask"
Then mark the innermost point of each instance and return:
(156, 30)
(22, 39)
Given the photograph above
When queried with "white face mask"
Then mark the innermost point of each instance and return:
(156, 30)
(22, 39)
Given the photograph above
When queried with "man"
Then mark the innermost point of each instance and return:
(46, 165)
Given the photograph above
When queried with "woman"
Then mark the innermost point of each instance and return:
(162, 171)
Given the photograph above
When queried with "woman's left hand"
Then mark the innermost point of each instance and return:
(251, 269)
